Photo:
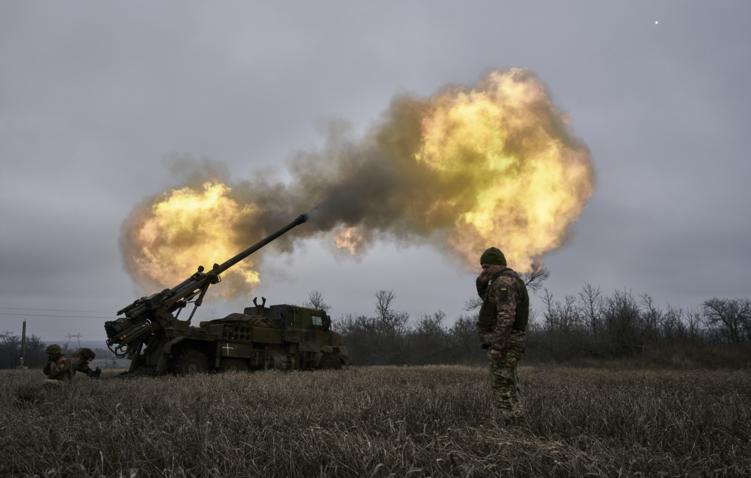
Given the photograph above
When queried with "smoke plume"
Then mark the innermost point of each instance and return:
(467, 168)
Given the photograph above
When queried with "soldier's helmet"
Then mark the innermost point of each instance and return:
(54, 350)
(86, 353)
(493, 255)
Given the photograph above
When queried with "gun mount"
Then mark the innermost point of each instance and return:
(153, 337)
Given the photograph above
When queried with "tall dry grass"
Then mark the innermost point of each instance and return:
(378, 421)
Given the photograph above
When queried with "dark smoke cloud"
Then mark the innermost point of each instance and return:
(371, 182)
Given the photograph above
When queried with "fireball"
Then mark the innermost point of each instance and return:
(467, 168)
(528, 179)
(187, 227)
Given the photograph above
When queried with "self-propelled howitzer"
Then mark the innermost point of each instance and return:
(152, 336)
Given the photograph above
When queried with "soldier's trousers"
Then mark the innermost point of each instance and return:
(505, 386)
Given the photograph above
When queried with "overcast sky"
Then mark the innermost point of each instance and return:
(95, 95)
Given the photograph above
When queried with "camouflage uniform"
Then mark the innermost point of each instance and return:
(61, 368)
(502, 325)
(80, 361)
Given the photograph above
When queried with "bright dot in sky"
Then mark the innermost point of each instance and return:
(657, 22)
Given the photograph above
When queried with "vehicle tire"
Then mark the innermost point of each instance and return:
(330, 362)
(190, 361)
(234, 364)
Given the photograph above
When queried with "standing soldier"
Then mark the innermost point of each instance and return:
(502, 324)
(61, 368)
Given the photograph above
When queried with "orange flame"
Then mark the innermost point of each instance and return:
(528, 184)
(186, 227)
(350, 239)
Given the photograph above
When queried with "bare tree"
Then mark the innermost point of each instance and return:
(673, 325)
(731, 316)
(384, 298)
(590, 299)
(464, 333)
(693, 324)
(390, 320)
(316, 301)
(622, 319)
(560, 315)
(472, 303)
(549, 313)
(651, 316)
(431, 324)
(534, 279)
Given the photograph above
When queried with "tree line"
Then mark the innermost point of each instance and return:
(10, 351)
(584, 328)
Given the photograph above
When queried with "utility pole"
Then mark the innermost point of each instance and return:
(23, 345)
(73, 336)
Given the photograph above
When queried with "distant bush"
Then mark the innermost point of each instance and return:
(10, 351)
(387, 338)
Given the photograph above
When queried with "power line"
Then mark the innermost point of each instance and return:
(76, 336)
(43, 309)
(55, 316)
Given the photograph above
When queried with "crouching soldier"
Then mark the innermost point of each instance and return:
(80, 361)
(502, 324)
(62, 368)
(58, 367)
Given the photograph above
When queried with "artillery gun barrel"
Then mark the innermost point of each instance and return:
(148, 315)
(242, 255)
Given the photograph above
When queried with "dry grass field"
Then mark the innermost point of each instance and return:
(377, 422)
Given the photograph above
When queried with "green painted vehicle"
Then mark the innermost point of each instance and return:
(282, 337)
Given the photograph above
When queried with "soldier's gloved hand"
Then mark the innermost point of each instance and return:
(483, 278)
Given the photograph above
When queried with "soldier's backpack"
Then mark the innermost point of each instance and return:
(488, 313)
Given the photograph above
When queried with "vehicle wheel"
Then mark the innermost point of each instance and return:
(330, 362)
(235, 364)
(191, 361)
